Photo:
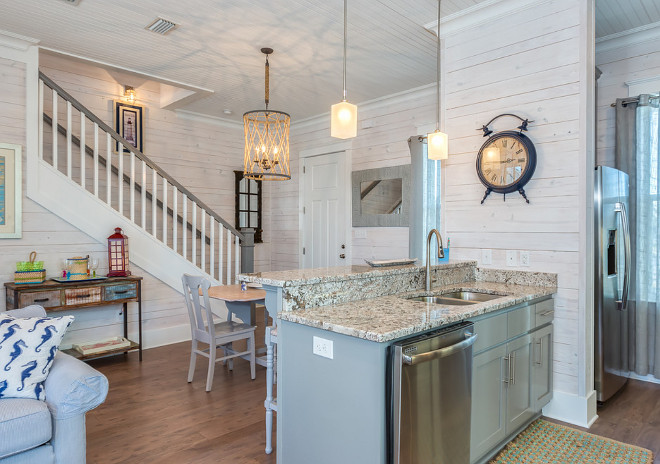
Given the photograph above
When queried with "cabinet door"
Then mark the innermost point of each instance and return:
(542, 367)
(488, 426)
(519, 400)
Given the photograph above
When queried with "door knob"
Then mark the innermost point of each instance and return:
(343, 246)
(342, 256)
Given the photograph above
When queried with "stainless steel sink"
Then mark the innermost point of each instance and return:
(459, 298)
(442, 300)
(471, 296)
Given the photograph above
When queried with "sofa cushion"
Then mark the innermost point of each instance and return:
(24, 424)
(27, 350)
(41, 455)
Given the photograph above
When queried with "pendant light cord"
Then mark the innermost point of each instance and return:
(437, 83)
(345, 16)
(267, 82)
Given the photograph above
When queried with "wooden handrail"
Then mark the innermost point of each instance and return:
(141, 156)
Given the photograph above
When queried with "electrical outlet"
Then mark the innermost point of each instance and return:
(524, 258)
(511, 258)
(487, 256)
(322, 347)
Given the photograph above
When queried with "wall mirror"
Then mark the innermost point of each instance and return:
(381, 197)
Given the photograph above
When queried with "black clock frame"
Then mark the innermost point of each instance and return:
(525, 177)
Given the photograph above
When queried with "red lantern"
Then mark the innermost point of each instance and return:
(118, 255)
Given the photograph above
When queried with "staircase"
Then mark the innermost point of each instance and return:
(109, 183)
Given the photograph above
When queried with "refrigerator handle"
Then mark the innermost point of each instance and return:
(623, 302)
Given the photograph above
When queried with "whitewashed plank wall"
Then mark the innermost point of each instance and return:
(532, 70)
(164, 316)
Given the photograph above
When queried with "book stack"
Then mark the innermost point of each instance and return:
(110, 344)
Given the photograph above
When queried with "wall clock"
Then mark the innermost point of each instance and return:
(507, 160)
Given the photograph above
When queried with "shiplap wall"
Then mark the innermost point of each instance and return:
(164, 316)
(631, 61)
(533, 70)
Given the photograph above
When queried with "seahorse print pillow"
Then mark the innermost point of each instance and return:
(27, 350)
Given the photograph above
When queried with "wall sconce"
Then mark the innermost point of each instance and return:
(129, 94)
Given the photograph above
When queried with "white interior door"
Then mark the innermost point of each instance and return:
(325, 212)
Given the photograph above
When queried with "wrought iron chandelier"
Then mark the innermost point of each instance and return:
(266, 140)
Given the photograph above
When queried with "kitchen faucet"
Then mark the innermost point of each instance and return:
(441, 254)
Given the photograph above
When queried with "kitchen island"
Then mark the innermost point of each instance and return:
(335, 327)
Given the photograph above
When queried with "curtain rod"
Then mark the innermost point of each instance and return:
(625, 101)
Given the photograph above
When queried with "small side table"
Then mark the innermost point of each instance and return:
(240, 304)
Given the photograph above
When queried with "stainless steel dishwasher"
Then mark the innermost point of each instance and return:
(430, 397)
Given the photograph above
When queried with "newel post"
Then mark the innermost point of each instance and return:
(247, 250)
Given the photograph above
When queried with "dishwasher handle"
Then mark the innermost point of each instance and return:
(440, 353)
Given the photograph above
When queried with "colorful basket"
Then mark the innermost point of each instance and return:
(30, 272)
(78, 268)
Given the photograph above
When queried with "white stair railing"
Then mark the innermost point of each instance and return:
(124, 187)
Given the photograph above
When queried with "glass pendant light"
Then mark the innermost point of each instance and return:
(438, 142)
(343, 122)
(266, 139)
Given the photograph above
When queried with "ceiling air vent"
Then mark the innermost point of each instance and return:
(161, 26)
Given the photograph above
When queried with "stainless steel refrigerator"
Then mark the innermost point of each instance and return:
(612, 281)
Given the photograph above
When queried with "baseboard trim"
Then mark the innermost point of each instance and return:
(574, 409)
(645, 378)
(166, 336)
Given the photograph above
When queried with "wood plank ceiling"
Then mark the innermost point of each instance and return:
(616, 16)
(216, 45)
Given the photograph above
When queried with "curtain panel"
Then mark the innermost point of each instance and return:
(637, 136)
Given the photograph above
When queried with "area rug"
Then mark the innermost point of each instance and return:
(545, 442)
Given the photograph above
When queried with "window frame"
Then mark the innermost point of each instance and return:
(238, 177)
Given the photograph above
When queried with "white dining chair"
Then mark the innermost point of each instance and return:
(216, 335)
(271, 402)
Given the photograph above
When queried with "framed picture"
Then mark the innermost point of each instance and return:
(128, 124)
(11, 191)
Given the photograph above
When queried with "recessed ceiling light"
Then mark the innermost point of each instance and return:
(227, 111)
(72, 2)
(160, 26)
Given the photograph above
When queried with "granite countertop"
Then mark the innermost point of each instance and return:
(333, 274)
(391, 317)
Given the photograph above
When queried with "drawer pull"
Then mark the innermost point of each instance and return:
(121, 293)
(547, 313)
(83, 296)
(539, 342)
(41, 300)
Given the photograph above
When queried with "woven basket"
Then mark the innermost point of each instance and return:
(30, 277)
(78, 269)
(30, 272)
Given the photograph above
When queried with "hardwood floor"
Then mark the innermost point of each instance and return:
(632, 416)
(152, 415)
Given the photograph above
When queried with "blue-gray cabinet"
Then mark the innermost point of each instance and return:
(512, 374)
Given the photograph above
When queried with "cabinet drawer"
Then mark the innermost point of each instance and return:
(544, 312)
(46, 299)
(120, 292)
(519, 321)
(491, 331)
(78, 296)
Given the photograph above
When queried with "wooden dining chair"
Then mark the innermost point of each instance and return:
(216, 335)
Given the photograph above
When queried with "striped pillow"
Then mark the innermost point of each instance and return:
(27, 350)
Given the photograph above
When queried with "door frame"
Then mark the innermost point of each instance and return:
(339, 147)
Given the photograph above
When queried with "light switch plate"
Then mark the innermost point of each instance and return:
(524, 258)
(511, 258)
(487, 256)
(322, 347)
(360, 232)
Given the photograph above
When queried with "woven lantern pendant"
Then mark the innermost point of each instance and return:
(118, 255)
(266, 140)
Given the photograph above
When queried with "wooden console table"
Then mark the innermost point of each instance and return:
(56, 296)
